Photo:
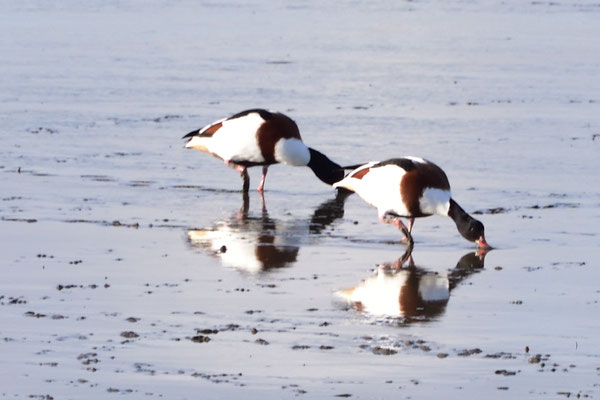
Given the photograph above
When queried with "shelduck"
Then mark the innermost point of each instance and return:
(415, 293)
(255, 242)
(410, 187)
(260, 137)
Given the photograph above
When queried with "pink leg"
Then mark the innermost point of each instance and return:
(261, 186)
(243, 173)
(411, 222)
(262, 202)
(239, 168)
(406, 257)
(400, 225)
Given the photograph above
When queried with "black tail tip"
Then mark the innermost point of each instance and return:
(191, 134)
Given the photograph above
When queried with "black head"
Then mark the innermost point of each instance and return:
(469, 227)
(473, 230)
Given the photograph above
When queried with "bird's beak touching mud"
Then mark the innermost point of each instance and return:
(482, 244)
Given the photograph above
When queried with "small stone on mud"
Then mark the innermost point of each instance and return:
(499, 355)
(469, 352)
(132, 319)
(505, 372)
(207, 331)
(497, 210)
(442, 355)
(261, 342)
(15, 300)
(231, 327)
(200, 339)
(129, 334)
(383, 351)
(535, 359)
(300, 347)
(33, 314)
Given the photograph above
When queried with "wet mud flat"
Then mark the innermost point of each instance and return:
(102, 309)
(132, 268)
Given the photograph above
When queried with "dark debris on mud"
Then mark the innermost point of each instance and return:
(27, 220)
(115, 223)
(42, 130)
(12, 300)
(40, 397)
(504, 210)
(92, 286)
(129, 334)
(200, 339)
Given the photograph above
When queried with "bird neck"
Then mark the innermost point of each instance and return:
(458, 215)
(325, 169)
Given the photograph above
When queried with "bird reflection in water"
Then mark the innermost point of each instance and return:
(409, 292)
(257, 243)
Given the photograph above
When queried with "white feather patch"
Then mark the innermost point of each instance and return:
(210, 125)
(348, 182)
(236, 140)
(380, 187)
(292, 152)
(416, 159)
(435, 201)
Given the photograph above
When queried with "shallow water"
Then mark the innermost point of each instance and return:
(134, 267)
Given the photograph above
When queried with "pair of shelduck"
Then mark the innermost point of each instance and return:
(408, 187)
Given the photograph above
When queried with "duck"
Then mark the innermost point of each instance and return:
(256, 243)
(258, 137)
(410, 187)
(405, 290)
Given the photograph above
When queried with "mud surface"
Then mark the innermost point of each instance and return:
(134, 268)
